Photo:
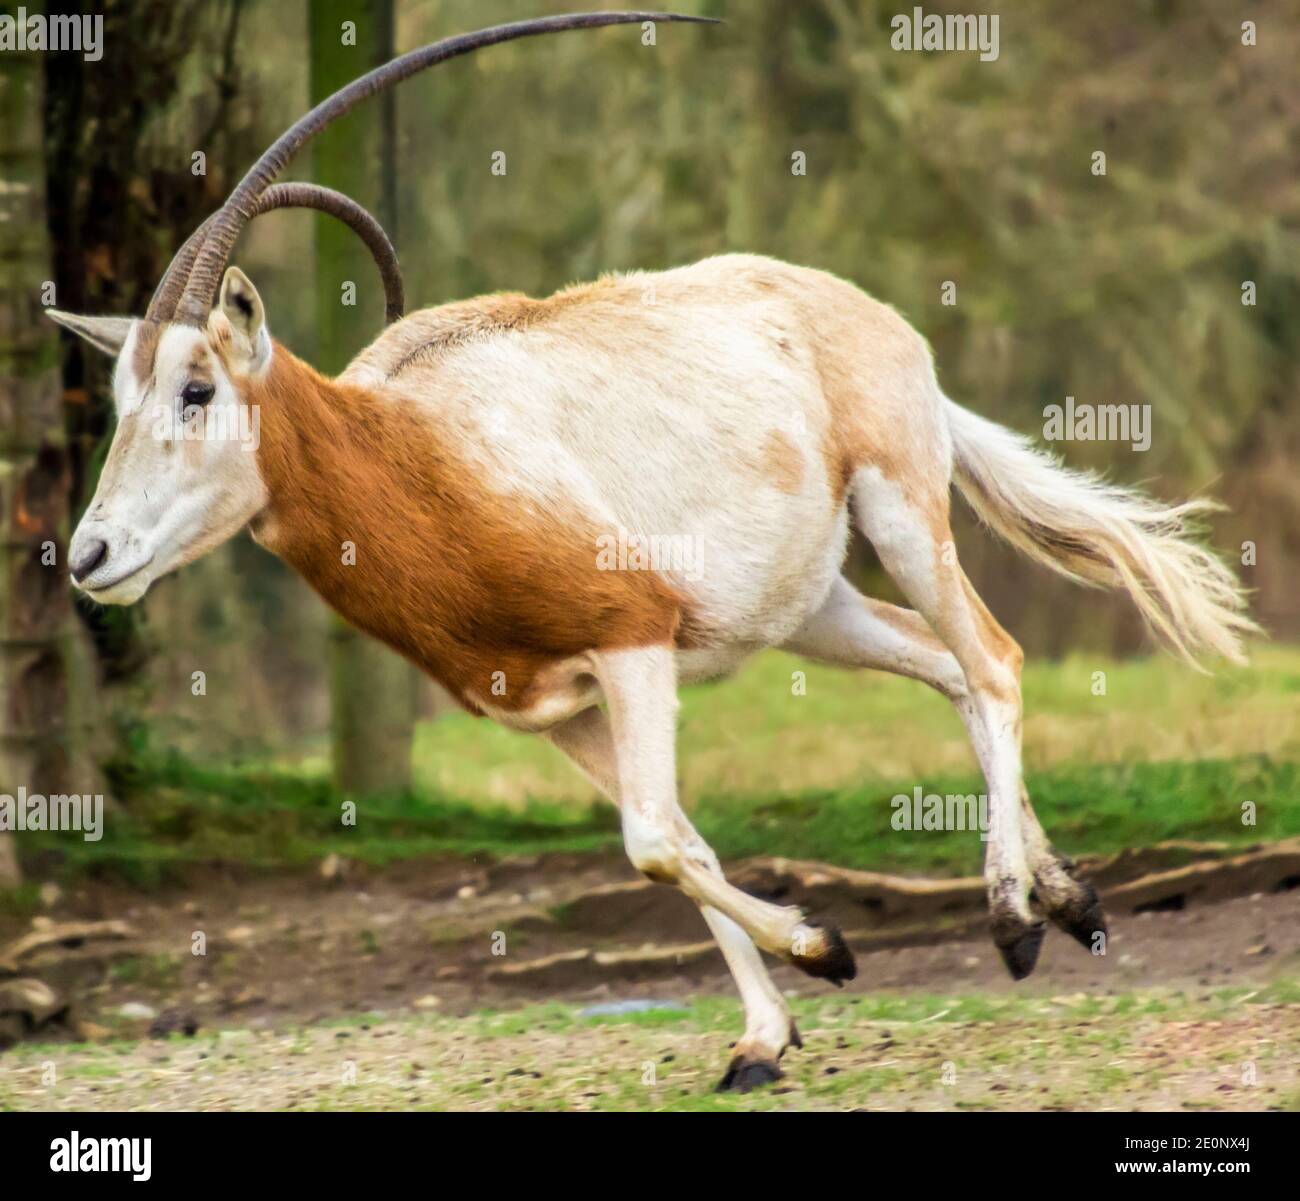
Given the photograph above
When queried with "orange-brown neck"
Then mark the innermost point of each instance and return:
(399, 534)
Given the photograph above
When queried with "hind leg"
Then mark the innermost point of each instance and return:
(640, 688)
(1071, 903)
(910, 531)
(769, 1028)
(851, 630)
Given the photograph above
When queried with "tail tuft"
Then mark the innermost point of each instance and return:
(1103, 535)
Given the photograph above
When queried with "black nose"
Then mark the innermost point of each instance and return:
(94, 555)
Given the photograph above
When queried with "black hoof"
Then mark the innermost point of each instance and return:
(1020, 948)
(828, 958)
(746, 1074)
(1085, 920)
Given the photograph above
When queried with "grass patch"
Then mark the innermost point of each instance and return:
(757, 734)
(706, 1015)
(1086, 808)
(176, 814)
(806, 772)
(1148, 1049)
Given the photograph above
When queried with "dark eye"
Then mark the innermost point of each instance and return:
(196, 393)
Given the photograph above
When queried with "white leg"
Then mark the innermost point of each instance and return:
(640, 688)
(852, 630)
(911, 535)
(769, 1029)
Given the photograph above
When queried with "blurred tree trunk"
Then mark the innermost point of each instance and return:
(761, 177)
(120, 203)
(372, 690)
(46, 685)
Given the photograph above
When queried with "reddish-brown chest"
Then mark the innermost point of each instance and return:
(401, 537)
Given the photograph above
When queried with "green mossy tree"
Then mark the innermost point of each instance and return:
(46, 683)
(372, 690)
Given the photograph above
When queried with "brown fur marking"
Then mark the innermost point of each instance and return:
(782, 464)
(876, 416)
(146, 346)
(454, 576)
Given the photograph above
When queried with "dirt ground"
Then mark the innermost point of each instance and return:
(454, 984)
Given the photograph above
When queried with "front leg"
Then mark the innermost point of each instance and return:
(769, 1029)
(640, 688)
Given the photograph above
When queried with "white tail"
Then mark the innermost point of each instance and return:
(1102, 535)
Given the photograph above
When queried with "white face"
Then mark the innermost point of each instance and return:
(181, 475)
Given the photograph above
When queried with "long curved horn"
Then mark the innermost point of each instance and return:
(167, 294)
(226, 225)
(293, 195)
(347, 210)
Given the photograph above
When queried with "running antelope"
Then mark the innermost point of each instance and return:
(479, 454)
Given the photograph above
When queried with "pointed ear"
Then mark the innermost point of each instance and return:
(103, 333)
(242, 305)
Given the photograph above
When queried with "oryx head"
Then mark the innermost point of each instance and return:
(181, 474)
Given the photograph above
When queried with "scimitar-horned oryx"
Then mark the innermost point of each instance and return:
(477, 455)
